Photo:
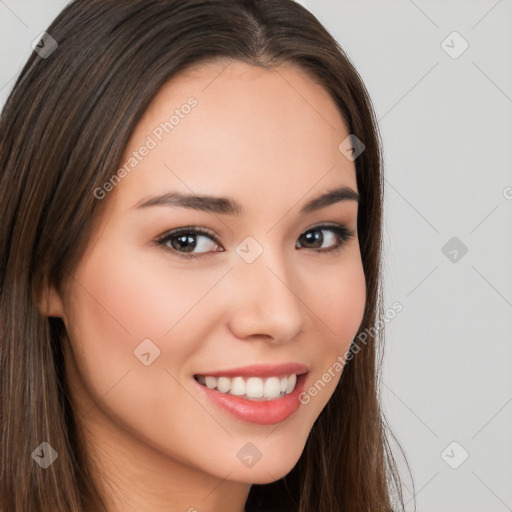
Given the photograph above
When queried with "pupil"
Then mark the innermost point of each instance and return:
(183, 240)
(314, 236)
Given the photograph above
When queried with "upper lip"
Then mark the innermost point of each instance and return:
(260, 370)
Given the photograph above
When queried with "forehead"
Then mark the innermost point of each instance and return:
(229, 128)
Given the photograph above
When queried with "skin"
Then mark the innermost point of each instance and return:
(268, 139)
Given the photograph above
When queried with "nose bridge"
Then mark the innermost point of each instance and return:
(266, 301)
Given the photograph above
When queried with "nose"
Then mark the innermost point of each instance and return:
(266, 300)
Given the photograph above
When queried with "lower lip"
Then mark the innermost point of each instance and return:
(267, 412)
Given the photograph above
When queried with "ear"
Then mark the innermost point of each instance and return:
(50, 303)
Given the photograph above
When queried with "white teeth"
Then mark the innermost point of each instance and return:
(252, 388)
(291, 383)
(238, 386)
(223, 384)
(272, 388)
(210, 382)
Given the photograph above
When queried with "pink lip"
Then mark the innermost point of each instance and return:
(260, 370)
(266, 412)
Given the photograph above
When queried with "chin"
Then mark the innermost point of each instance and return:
(265, 472)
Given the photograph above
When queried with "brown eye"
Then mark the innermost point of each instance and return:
(338, 237)
(189, 242)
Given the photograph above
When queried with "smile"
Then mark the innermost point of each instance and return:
(259, 394)
(251, 388)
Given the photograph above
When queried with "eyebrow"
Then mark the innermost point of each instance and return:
(225, 206)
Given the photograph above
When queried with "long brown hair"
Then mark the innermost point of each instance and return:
(63, 131)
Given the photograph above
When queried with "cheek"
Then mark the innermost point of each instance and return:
(117, 304)
(342, 301)
(133, 297)
(340, 304)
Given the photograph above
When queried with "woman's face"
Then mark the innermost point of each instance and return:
(259, 286)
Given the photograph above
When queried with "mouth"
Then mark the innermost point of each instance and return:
(253, 388)
(258, 394)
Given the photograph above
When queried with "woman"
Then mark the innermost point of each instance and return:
(191, 234)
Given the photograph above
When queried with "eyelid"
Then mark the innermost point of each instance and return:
(188, 229)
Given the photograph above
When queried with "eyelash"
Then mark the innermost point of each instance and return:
(343, 233)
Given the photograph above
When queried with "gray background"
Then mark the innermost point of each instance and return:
(447, 129)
